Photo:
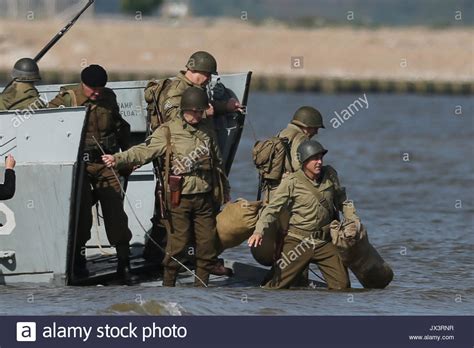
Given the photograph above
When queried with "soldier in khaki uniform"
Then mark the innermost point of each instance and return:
(199, 70)
(305, 124)
(188, 145)
(22, 93)
(313, 196)
(106, 125)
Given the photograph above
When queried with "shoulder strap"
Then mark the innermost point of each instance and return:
(73, 97)
(167, 132)
(286, 145)
(165, 84)
(300, 175)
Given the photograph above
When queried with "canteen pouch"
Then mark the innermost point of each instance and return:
(176, 185)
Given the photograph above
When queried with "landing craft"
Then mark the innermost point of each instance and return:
(40, 222)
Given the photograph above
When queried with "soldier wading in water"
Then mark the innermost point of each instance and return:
(313, 196)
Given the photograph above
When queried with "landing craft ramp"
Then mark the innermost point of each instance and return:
(36, 222)
(39, 252)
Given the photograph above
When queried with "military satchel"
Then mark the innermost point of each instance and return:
(153, 91)
(271, 156)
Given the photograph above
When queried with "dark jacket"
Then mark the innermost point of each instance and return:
(7, 190)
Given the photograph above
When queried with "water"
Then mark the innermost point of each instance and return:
(419, 215)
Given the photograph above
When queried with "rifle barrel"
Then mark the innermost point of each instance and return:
(61, 33)
(56, 38)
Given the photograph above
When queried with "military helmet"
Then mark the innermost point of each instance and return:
(307, 116)
(194, 98)
(26, 70)
(202, 61)
(309, 148)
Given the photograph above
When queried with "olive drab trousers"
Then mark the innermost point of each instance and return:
(100, 183)
(297, 255)
(193, 218)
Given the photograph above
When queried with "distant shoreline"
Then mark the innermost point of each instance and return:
(288, 84)
(408, 59)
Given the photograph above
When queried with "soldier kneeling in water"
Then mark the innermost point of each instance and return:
(313, 196)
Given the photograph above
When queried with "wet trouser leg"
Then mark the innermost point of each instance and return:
(205, 237)
(330, 264)
(297, 255)
(194, 215)
(178, 238)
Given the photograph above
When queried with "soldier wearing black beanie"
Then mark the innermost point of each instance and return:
(106, 126)
(94, 76)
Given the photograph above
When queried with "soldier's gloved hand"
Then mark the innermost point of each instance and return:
(10, 162)
(255, 240)
(233, 105)
(109, 160)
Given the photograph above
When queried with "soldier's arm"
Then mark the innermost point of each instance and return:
(62, 99)
(340, 197)
(282, 198)
(154, 146)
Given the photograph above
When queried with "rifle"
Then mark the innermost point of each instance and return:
(260, 187)
(160, 189)
(58, 36)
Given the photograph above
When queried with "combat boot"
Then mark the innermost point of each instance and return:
(169, 276)
(202, 277)
(124, 272)
(218, 269)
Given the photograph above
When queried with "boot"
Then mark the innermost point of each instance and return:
(169, 276)
(124, 273)
(218, 269)
(203, 274)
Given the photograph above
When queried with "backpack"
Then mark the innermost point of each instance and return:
(153, 91)
(272, 158)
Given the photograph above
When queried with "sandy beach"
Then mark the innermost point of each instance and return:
(151, 46)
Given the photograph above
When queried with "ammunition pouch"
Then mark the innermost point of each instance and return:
(175, 186)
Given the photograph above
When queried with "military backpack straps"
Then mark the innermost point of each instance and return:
(271, 157)
(153, 93)
(318, 195)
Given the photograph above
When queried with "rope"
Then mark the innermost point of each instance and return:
(140, 223)
(317, 275)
